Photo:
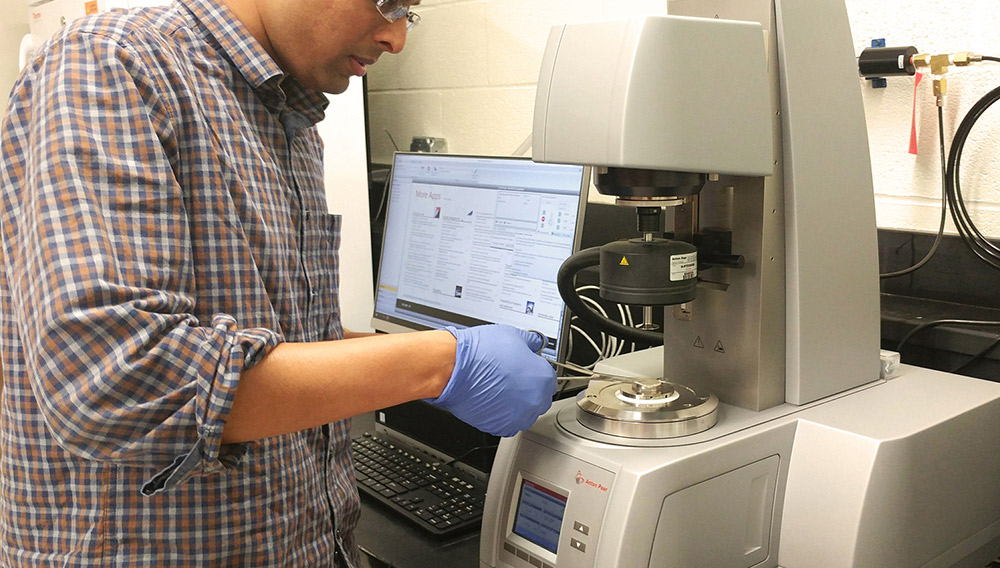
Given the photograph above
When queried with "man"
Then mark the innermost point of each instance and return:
(178, 382)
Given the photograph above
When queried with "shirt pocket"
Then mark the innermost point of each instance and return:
(321, 243)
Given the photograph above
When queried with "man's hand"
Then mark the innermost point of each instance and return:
(499, 385)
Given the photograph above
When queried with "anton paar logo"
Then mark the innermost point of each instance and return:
(581, 480)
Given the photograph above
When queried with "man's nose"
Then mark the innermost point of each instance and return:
(392, 36)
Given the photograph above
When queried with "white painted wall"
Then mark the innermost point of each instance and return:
(13, 26)
(469, 70)
(346, 178)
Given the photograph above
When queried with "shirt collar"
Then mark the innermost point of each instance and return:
(259, 69)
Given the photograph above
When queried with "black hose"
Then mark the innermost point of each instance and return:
(952, 190)
(944, 206)
(566, 281)
(935, 323)
(971, 235)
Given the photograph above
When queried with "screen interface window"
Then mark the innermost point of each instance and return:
(473, 240)
(540, 513)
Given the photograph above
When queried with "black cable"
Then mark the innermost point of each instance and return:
(385, 186)
(470, 452)
(982, 353)
(989, 58)
(944, 205)
(970, 234)
(566, 282)
(935, 323)
(564, 384)
(567, 392)
(381, 203)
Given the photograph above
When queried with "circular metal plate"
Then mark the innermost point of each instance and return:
(646, 408)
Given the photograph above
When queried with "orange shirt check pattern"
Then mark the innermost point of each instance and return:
(164, 225)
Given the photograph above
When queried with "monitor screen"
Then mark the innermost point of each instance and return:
(471, 240)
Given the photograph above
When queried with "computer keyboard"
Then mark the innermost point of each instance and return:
(439, 499)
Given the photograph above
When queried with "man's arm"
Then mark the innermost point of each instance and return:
(302, 385)
(489, 376)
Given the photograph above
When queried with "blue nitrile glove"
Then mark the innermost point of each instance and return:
(499, 385)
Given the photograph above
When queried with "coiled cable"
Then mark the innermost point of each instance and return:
(982, 247)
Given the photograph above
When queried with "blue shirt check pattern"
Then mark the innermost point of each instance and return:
(164, 226)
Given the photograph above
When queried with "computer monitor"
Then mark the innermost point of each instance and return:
(472, 240)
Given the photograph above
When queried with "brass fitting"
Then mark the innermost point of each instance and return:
(938, 65)
(940, 89)
(965, 58)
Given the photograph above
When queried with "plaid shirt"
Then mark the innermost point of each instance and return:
(164, 226)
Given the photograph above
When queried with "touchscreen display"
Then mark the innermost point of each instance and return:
(539, 515)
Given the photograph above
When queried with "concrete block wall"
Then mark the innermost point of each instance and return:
(908, 188)
(469, 70)
(468, 74)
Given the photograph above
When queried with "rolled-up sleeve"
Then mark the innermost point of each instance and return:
(121, 365)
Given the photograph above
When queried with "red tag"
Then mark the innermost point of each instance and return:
(913, 122)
